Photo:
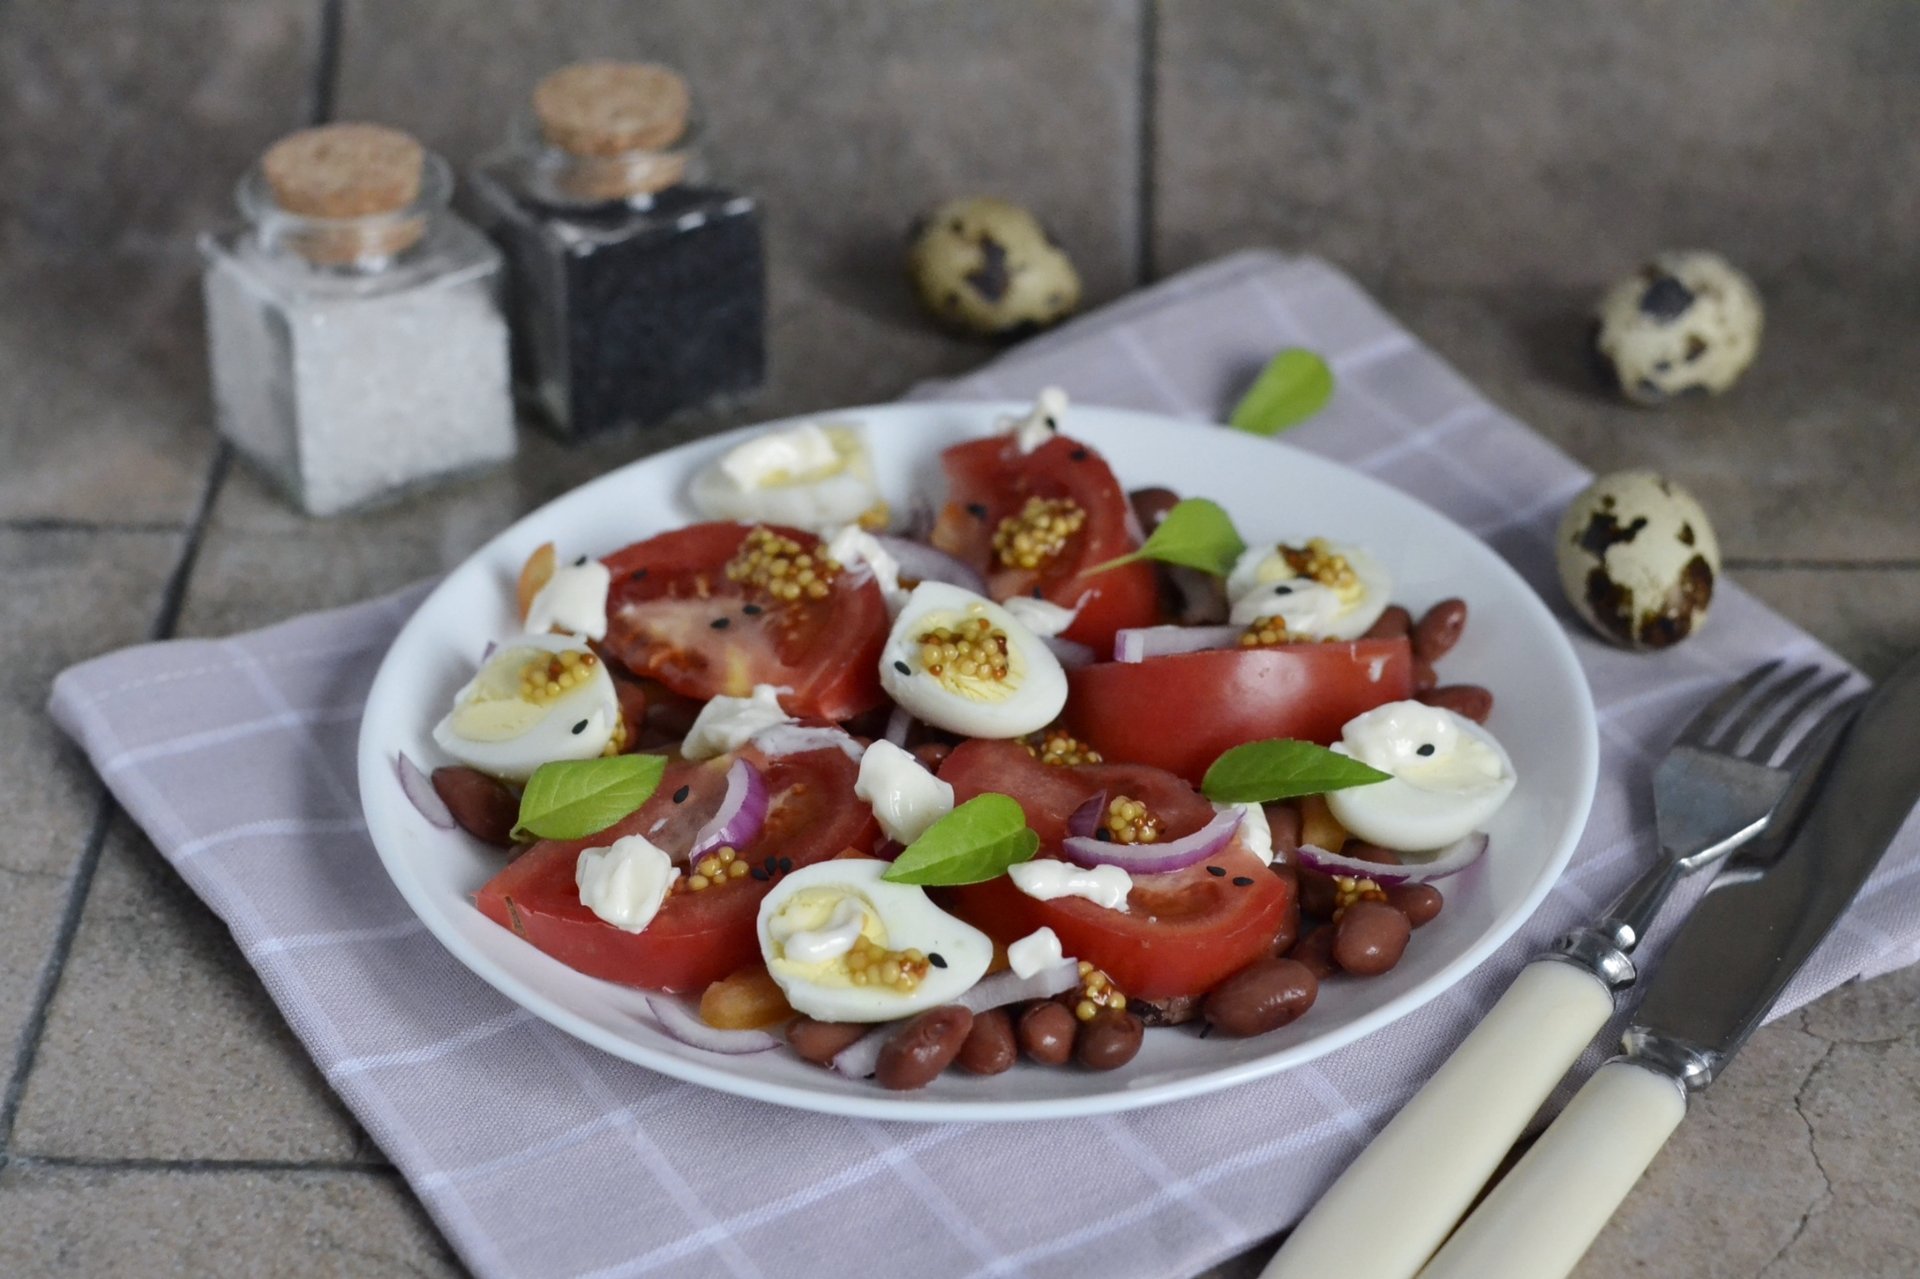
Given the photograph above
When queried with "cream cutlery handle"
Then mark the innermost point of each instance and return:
(1541, 1218)
(1387, 1213)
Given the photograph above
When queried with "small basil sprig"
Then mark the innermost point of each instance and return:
(573, 798)
(1294, 386)
(1280, 768)
(975, 842)
(1196, 533)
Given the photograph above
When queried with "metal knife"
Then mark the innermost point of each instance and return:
(1728, 963)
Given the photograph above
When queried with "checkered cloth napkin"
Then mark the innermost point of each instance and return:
(540, 1156)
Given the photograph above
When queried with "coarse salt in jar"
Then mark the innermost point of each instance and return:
(356, 343)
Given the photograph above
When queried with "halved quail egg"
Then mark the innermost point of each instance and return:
(539, 698)
(1448, 776)
(958, 661)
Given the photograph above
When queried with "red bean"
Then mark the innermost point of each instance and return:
(1289, 929)
(1470, 700)
(1436, 633)
(1150, 506)
(1393, 623)
(1263, 996)
(485, 807)
(1109, 1041)
(1424, 678)
(1315, 952)
(989, 1047)
(1046, 1032)
(1370, 938)
(1318, 896)
(1283, 821)
(922, 1048)
(1418, 902)
(821, 1041)
(931, 753)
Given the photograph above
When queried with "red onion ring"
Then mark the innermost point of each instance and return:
(1137, 643)
(859, 1058)
(743, 810)
(922, 563)
(798, 739)
(899, 724)
(1451, 860)
(1008, 987)
(1155, 859)
(1071, 654)
(1085, 819)
(419, 789)
(690, 1030)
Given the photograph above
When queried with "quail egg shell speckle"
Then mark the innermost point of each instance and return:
(1686, 323)
(1638, 559)
(988, 266)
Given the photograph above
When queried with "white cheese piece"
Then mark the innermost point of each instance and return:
(1256, 836)
(625, 882)
(781, 457)
(725, 724)
(1045, 879)
(1040, 424)
(1038, 950)
(905, 797)
(573, 600)
(855, 548)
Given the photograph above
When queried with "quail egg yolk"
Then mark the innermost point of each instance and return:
(969, 655)
(828, 936)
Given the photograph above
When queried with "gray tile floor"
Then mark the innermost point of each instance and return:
(1483, 166)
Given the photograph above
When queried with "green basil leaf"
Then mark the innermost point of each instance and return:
(977, 841)
(1294, 386)
(1196, 533)
(573, 798)
(1279, 768)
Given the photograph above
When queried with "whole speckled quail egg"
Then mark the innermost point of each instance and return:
(1638, 559)
(1687, 323)
(988, 266)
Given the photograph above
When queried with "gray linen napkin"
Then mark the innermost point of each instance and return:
(539, 1156)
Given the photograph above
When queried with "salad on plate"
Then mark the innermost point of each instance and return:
(1024, 778)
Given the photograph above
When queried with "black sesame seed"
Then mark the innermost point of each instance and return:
(772, 864)
(937, 959)
(638, 575)
(579, 562)
(1216, 871)
(1104, 835)
(786, 864)
(720, 623)
(977, 509)
(1283, 590)
(1038, 594)
(680, 796)
(580, 728)
(1427, 749)
(1206, 1028)
(1078, 455)
(752, 610)
(1242, 881)
(759, 873)
(903, 668)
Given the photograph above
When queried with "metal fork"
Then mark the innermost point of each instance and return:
(1712, 792)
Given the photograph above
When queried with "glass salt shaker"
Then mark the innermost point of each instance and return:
(636, 290)
(355, 337)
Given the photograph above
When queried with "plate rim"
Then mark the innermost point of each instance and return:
(373, 763)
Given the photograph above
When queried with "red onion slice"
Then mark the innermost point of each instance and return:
(899, 724)
(1137, 643)
(1008, 987)
(419, 789)
(743, 810)
(858, 1059)
(1085, 819)
(1451, 860)
(1072, 654)
(922, 563)
(798, 739)
(690, 1030)
(1155, 859)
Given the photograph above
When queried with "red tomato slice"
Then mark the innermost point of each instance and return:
(1181, 711)
(673, 616)
(697, 937)
(991, 479)
(1184, 932)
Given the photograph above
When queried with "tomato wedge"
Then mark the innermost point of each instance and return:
(1181, 711)
(991, 480)
(697, 937)
(674, 615)
(1183, 933)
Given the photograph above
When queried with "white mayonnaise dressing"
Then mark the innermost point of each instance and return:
(1045, 879)
(780, 457)
(905, 797)
(726, 724)
(574, 600)
(1037, 951)
(829, 941)
(625, 882)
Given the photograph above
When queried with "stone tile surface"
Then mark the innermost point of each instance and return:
(211, 1224)
(161, 1042)
(126, 127)
(68, 596)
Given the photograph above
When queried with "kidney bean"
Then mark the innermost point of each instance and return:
(1317, 893)
(1393, 623)
(1174, 1010)
(931, 753)
(921, 1049)
(1315, 952)
(485, 807)
(989, 1047)
(1370, 938)
(1470, 700)
(1150, 506)
(1435, 634)
(1418, 902)
(1283, 820)
(821, 1041)
(1361, 850)
(1289, 930)
(1424, 677)
(1046, 1033)
(1263, 996)
(1109, 1041)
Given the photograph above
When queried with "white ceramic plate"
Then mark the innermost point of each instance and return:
(1543, 715)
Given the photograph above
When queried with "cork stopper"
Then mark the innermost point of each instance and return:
(603, 109)
(356, 182)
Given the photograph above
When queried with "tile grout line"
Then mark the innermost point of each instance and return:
(166, 617)
(64, 524)
(84, 1163)
(1145, 142)
(1740, 563)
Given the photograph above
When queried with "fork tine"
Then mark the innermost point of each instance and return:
(1704, 724)
(1830, 721)
(1776, 735)
(1738, 725)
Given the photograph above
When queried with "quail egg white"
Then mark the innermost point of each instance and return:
(1449, 775)
(961, 662)
(1322, 590)
(814, 476)
(1638, 559)
(843, 944)
(539, 698)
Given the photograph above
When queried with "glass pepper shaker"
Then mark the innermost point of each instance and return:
(355, 338)
(636, 290)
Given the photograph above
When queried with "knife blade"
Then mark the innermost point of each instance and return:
(1726, 967)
